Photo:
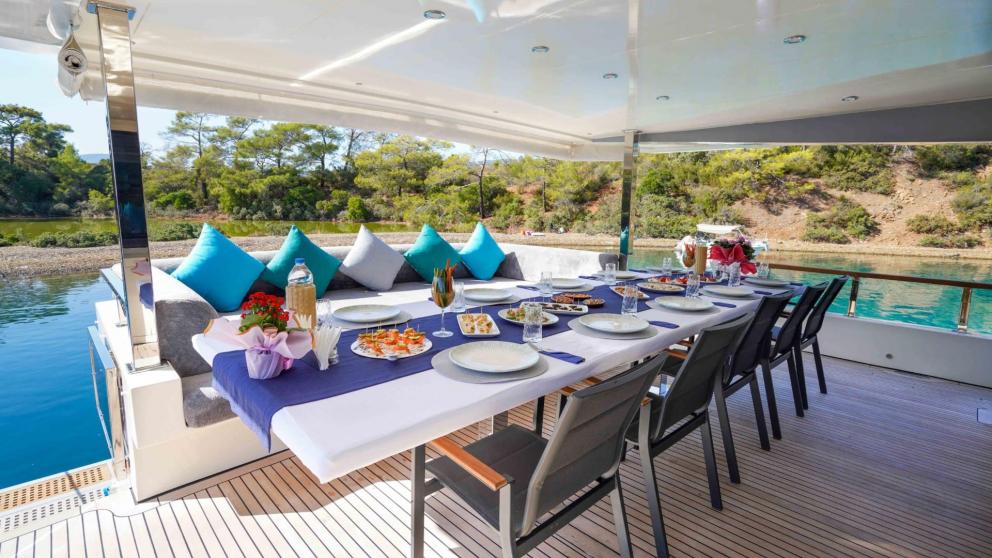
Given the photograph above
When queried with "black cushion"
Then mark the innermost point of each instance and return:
(513, 452)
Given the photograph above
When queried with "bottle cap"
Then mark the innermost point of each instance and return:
(299, 261)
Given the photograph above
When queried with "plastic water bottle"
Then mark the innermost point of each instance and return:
(301, 294)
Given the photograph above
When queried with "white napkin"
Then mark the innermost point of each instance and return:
(325, 344)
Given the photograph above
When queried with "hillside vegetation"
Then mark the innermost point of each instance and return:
(242, 168)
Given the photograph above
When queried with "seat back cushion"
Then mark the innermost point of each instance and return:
(297, 245)
(481, 254)
(430, 252)
(371, 262)
(219, 270)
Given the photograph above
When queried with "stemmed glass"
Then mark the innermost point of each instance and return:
(443, 293)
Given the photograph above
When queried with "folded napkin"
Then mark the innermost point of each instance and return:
(567, 357)
(724, 304)
(756, 291)
(661, 323)
(797, 284)
(635, 270)
(593, 277)
(528, 287)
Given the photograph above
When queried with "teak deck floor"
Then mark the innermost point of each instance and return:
(886, 464)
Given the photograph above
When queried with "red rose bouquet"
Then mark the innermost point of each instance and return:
(734, 250)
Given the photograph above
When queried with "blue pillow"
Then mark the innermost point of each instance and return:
(297, 245)
(430, 251)
(481, 255)
(218, 270)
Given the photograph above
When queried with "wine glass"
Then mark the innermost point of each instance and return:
(443, 293)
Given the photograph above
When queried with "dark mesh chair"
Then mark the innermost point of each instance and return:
(742, 371)
(813, 324)
(514, 476)
(682, 409)
(786, 339)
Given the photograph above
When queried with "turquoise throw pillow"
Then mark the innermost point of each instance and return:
(297, 245)
(430, 251)
(481, 255)
(218, 270)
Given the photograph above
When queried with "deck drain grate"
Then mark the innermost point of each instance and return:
(42, 511)
(53, 486)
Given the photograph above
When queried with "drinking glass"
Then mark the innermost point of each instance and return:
(324, 312)
(692, 285)
(764, 270)
(545, 286)
(666, 267)
(631, 294)
(533, 322)
(610, 273)
(734, 275)
(459, 305)
(443, 293)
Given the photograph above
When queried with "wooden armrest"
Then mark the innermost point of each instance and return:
(590, 381)
(482, 472)
(686, 342)
(681, 355)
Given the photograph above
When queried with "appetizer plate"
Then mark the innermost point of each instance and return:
(566, 283)
(619, 291)
(614, 323)
(659, 287)
(390, 344)
(767, 282)
(366, 313)
(477, 325)
(494, 357)
(567, 309)
(722, 290)
(516, 316)
(487, 294)
(684, 304)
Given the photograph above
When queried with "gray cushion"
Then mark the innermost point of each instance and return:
(514, 452)
(202, 405)
(372, 262)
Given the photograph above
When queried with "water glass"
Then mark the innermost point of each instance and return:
(631, 294)
(545, 285)
(734, 275)
(692, 285)
(666, 267)
(324, 312)
(459, 304)
(533, 322)
(610, 273)
(764, 270)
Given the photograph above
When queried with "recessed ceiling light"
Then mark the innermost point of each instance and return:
(495, 112)
(435, 14)
(358, 83)
(539, 49)
(850, 98)
(610, 75)
(662, 98)
(794, 39)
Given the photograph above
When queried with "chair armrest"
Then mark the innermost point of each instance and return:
(472, 465)
(590, 381)
(681, 355)
(686, 342)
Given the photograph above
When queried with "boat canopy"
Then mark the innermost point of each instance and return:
(719, 229)
(559, 78)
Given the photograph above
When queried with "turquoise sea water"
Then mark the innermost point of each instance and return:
(47, 413)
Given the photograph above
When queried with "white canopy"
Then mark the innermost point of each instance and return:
(683, 67)
(718, 229)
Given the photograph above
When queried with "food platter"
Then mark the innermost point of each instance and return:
(477, 325)
(619, 290)
(567, 309)
(391, 344)
(516, 316)
(659, 287)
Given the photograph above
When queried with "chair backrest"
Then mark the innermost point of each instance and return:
(815, 320)
(757, 339)
(692, 388)
(588, 440)
(788, 335)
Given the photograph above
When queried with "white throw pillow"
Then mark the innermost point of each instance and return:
(372, 262)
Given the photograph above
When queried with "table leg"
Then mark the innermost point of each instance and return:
(500, 421)
(418, 490)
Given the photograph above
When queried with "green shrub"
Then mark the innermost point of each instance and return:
(357, 212)
(862, 168)
(832, 235)
(960, 241)
(6, 241)
(934, 159)
(175, 231)
(847, 218)
(181, 200)
(78, 239)
(973, 205)
(932, 224)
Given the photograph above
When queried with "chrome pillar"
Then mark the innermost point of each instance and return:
(629, 177)
(125, 157)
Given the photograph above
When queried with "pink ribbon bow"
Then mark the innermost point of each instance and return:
(732, 255)
(267, 353)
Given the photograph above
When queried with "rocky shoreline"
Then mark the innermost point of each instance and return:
(26, 261)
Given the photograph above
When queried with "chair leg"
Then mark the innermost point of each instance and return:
(711, 475)
(801, 375)
(759, 414)
(819, 366)
(654, 502)
(728, 437)
(620, 520)
(417, 479)
(537, 422)
(797, 396)
(766, 373)
(507, 541)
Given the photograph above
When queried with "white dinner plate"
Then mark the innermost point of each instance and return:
(494, 357)
(723, 290)
(684, 304)
(366, 313)
(660, 287)
(549, 318)
(767, 282)
(620, 274)
(487, 294)
(566, 283)
(613, 323)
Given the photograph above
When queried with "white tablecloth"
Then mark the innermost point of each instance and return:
(337, 435)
